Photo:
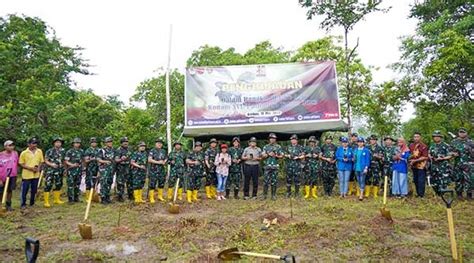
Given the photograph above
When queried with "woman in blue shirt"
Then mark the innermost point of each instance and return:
(361, 164)
(344, 158)
(400, 169)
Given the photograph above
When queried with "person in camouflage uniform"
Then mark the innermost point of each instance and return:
(235, 169)
(157, 174)
(176, 159)
(90, 159)
(389, 151)
(312, 170)
(122, 177)
(73, 160)
(54, 159)
(440, 154)
(271, 153)
(463, 152)
(138, 162)
(211, 177)
(106, 159)
(375, 172)
(195, 163)
(294, 153)
(329, 171)
(353, 186)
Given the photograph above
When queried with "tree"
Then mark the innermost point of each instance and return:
(345, 14)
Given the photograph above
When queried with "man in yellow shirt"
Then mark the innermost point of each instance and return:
(31, 160)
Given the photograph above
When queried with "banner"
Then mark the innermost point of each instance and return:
(255, 95)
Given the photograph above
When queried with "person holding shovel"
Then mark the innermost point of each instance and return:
(294, 155)
(195, 163)
(157, 159)
(138, 162)
(361, 165)
(375, 171)
(54, 160)
(235, 169)
(106, 167)
(344, 157)
(440, 154)
(8, 167)
(30, 160)
(123, 178)
(313, 154)
(92, 167)
(222, 162)
(177, 160)
(73, 160)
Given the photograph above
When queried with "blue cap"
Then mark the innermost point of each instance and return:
(360, 139)
(344, 139)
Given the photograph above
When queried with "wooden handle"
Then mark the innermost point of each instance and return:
(252, 254)
(176, 190)
(39, 180)
(452, 237)
(89, 201)
(385, 185)
(5, 190)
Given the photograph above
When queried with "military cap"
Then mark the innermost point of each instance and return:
(388, 137)
(328, 137)
(312, 139)
(213, 140)
(235, 139)
(159, 140)
(354, 134)
(76, 140)
(175, 143)
(437, 133)
(33, 140)
(197, 143)
(123, 139)
(142, 143)
(272, 135)
(253, 139)
(373, 137)
(108, 139)
(360, 139)
(294, 137)
(344, 139)
(92, 139)
(462, 130)
(57, 138)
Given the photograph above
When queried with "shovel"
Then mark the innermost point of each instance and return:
(32, 247)
(448, 198)
(4, 196)
(85, 229)
(174, 208)
(385, 212)
(232, 254)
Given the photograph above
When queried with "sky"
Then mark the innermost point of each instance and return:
(126, 42)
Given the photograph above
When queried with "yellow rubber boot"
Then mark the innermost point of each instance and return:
(189, 196)
(160, 194)
(314, 192)
(180, 194)
(170, 193)
(368, 189)
(208, 192)
(375, 190)
(195, 195)
(351, 188)
(46, 200)
(357, 190)
(151, 196)
(136, 197)
(306, 191)
(56, 198)
(141, 196)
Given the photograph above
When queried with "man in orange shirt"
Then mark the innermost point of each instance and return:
(31, 160)
(417, 161)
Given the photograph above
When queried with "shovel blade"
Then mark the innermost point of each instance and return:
(173, 208)
(3, 212)
(386, 213)
(85, 230)
(96, 198)
(228, 254)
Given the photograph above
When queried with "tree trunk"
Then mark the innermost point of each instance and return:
(348, 89)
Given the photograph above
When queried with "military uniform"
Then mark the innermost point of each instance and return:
(177, 168)
(195, 173)
(375, 172)
(329, 171)
(440, 169)
(138, 174)
(157, 174)
(106, 171)
(211, 176)
(388, 153)
(91, 155)
(54, 176)
(312, 169)
(122, 177)
(235, 169)
(463, 164)
(74, 156)
(293, 167)
(271, 166)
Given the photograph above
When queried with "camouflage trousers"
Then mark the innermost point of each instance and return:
(440, 180)
(91, 176)
(329, 179)
(311, 175)
(387, 171)
(156, 178)
(53, 177)
(174, 175)
(138, 178)
(73, 183)
(194, 180)
(270, 175)
(123, 180)
(234, 179)
(293, 175)
(211, 177)
(464, 177)
(373, 176)
(106, 180)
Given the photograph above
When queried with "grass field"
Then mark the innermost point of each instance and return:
(327, 229)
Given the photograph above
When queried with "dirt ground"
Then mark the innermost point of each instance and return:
(326, 229)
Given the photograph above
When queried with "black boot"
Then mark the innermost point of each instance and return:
(236, 194)
(265, 192)
(288, 191)
(120, 199)
(274, 190)
(227, 193)
(9, 206)
(297, 191)
(469, 195)
(460, 196)
(70, 200)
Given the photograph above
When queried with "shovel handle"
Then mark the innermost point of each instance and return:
(452, 237)
(89, 201)
(39, 180)
(258, 255)
(176, 190)
(5, 190)
(448, 197)
(385, 186)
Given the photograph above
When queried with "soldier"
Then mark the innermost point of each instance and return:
(195, 162)
(440, 154)
(157, 158)
(353, 187)
(73, 160)
(270, 154)
(90, 159)
(313, 167)
(463, 154)
(295, 153)
(138, 163)
(211, 177)
(106, 167)
(54, 160)
(328, 153)
(235, 170)
(375, 172)
(176, 160)
(389, 151)
(122, 176)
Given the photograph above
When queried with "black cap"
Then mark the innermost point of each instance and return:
(174, 144)
(159, 140)
(33, 140)
(235, 139)
(123, 139)
(388, 137)
(92, 139)
(328, 137)
(354, 134)
(373, 137)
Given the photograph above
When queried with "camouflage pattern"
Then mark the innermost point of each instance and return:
(294, 167)
(177, 167)
(139, 175)
(463, 164)
(329, 171)
(235, 169)
(106, 172)
(211, 176)
(195, 172)
(157, 173)
(54, 176)
(440, 170)
(122, 176)
(270, 164)
(374, 173)
(74, 156)
(312, 168)
(388, 153)
(92, 167)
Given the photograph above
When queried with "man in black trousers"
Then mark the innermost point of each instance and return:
(251, 157)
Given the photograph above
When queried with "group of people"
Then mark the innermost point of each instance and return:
(358, 164)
